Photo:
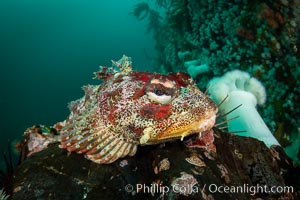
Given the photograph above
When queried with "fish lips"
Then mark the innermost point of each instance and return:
(182, 129)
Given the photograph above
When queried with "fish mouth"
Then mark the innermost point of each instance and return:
(182, 130)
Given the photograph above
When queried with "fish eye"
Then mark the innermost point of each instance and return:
(158, 92)
(161, 91)
(160, 98)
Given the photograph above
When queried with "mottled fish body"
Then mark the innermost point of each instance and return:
(133, 108)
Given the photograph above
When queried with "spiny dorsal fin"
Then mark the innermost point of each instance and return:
(120, 67)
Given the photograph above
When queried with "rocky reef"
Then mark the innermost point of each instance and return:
(210, 38)
(240, 169)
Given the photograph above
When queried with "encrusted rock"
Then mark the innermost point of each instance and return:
(52, 174)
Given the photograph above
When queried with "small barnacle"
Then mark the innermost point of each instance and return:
(123, 163)
(238, 154)
(164, 165)
(195, 160)
(236, 151)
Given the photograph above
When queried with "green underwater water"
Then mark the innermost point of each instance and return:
(50, 48)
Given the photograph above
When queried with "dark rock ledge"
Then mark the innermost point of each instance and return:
(239, 161)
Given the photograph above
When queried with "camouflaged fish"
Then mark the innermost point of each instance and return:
(133, 108)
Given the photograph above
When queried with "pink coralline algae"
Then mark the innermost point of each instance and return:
(133, 108)
(185, 185)
(37, 139)
(204, 141)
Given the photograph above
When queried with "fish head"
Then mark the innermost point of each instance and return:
(150, 108)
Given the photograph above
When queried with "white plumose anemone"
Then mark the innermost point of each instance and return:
(248, 92)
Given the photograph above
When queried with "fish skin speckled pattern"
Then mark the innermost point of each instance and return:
(133, 108)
